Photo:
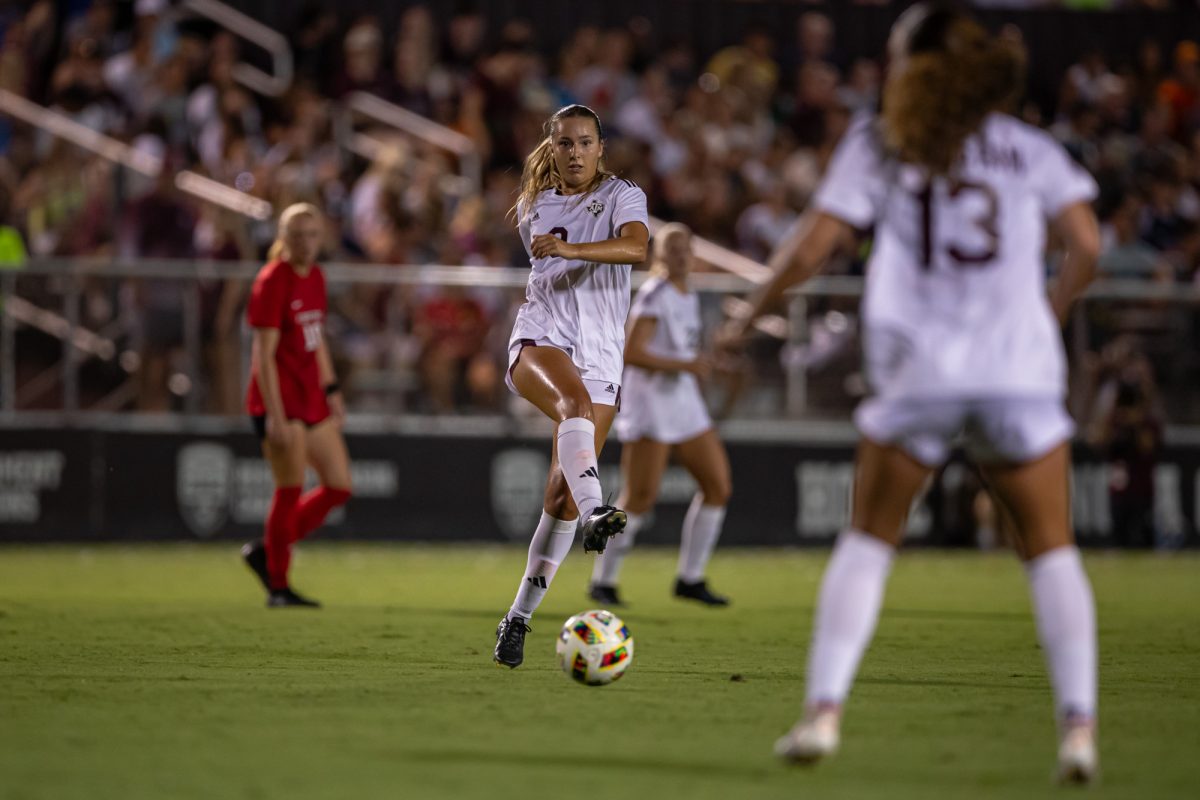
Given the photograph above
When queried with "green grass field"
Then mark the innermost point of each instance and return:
(155, 672)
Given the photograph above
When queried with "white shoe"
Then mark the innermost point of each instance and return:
(1077, 759)
(812, 738)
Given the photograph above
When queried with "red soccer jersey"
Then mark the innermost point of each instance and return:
(295, 306)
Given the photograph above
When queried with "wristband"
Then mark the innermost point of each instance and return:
(333, 388)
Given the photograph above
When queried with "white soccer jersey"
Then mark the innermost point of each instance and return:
(955, 302)
(665, 406)
(579, 306)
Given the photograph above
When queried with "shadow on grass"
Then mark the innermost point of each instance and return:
(950, 615)
(1039, 686)
(606, 764)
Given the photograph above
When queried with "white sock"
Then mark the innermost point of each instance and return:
(608, 564)
(701, 529)
(847, 610)
(1066, 623)
(551, 542)
(577, 459)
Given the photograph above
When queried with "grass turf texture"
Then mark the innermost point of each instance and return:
(155, 672)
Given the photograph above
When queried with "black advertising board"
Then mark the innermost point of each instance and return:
(76, 485)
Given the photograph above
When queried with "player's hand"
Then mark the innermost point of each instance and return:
(547, 245)
(337, 409)
(279, 432)
(701, 368)
(731, 339)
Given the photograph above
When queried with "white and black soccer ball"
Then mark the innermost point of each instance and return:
(595, 647)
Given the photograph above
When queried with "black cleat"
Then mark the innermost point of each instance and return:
(510, 642)
(255, 555)
(698, 591)
(603, 524)
(282, 598)
(604, 595)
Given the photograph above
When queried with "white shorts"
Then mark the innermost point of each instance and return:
(663, 408)
(604, 393)
(1012, 430)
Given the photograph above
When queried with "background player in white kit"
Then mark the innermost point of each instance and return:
(663, 410)
(960, 338)
(583, 228)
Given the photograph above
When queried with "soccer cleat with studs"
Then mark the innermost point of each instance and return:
(285, 598)
(814, 737)
(510, 642)
(255, 555)
(601, 525)
(604, 595)
(699, 592)
(1078, 762)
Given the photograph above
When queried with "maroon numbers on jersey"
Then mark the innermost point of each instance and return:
(985, 223)
(560, 233)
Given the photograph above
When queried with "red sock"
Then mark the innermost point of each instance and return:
(314, 507)
(281, 526)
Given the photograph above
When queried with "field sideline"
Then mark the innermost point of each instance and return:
(155, 672)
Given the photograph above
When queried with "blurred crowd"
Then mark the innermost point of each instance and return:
(731, 142)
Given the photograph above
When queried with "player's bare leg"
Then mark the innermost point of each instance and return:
(1037, 497)
(705, 458)
(886, 481)
(642, 465)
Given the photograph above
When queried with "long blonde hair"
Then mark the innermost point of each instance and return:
(541, 173)
(295, 210)
(957, 74)
(658, 265)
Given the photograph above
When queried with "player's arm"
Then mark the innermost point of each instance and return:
(797, 259)
(329, 382)
(637, 354)
(262, 356)
(1077, 228)
(629, 247)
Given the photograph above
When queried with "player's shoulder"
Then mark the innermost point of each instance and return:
(1029, 139)
(616, 186)
(274, 271)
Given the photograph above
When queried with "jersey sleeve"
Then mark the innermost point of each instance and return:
(524, 228)
(265, 308)
(630, 205)
(1058, 180)
(648, 302)
(852, 184)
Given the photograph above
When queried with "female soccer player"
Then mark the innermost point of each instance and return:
(583, 227)
(294, 399)
(960, 337)
(663, 410)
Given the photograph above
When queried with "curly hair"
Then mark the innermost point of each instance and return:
(955, 74)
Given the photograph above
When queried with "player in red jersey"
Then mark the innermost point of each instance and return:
(294, 399)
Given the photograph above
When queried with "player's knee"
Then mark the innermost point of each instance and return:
(717, 493)
(573, 406)
(638, 501)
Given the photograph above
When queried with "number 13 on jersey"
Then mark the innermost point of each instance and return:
(984, 243)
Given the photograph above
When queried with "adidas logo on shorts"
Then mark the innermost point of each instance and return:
(610, 389)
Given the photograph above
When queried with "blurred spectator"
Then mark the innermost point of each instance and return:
(1181, 91)
(1127, 427)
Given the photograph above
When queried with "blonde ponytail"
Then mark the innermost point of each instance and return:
(279, 246)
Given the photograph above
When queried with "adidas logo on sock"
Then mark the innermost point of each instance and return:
(537, 580)
(590, 472)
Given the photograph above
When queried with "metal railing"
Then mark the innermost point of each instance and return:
(198, 186)
(254, 31)
(400, 119)
(58, 315)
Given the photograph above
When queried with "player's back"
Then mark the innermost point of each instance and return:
(956, 300)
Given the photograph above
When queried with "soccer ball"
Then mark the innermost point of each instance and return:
(595, 647)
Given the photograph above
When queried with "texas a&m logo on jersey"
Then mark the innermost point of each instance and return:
(595, 208)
